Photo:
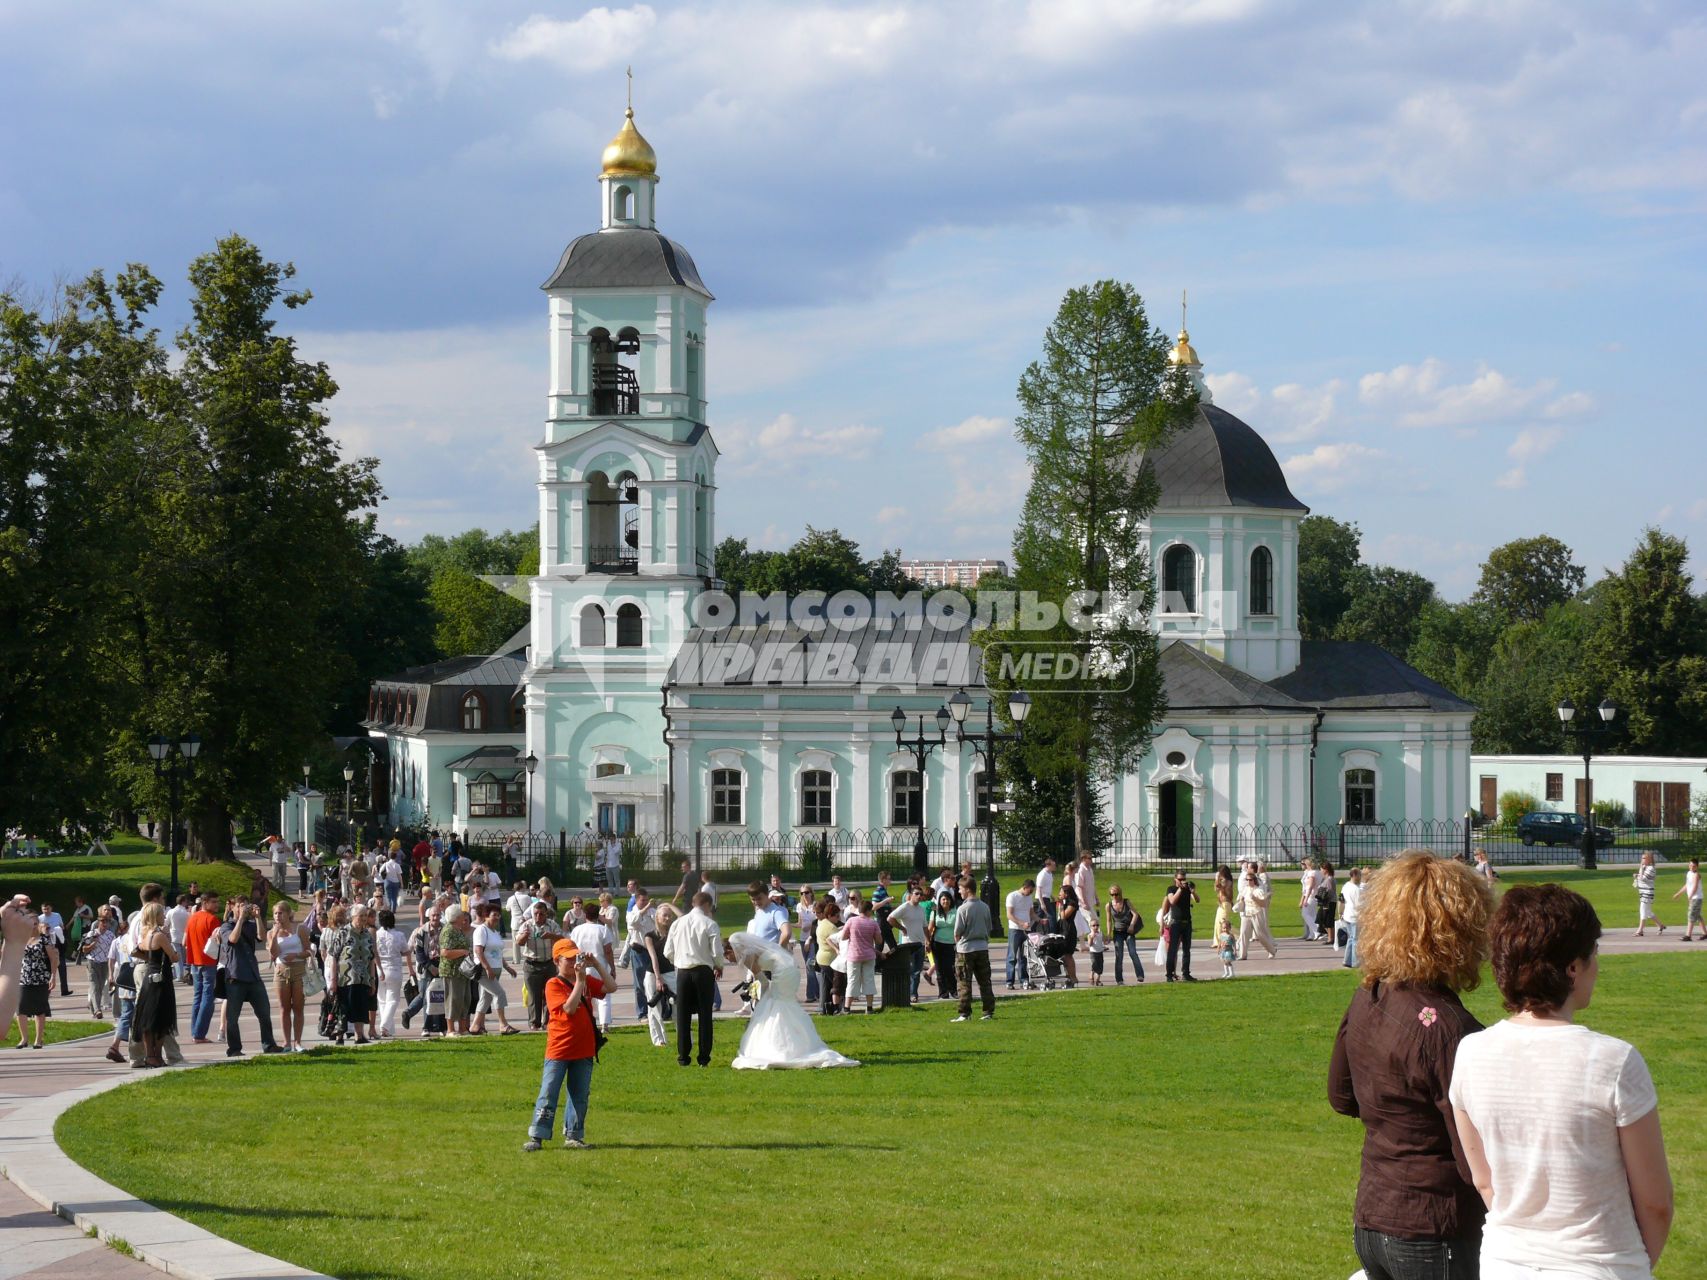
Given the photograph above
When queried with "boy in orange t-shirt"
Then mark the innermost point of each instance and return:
(571, 1047)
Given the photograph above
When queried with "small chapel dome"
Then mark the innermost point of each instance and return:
(1184, 353)
(629, 155)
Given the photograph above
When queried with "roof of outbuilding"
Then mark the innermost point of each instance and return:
(1218, 461)
(1194, 681)
(624, 258)
(505, 670)
(490, 756)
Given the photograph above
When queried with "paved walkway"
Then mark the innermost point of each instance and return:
(36, 1085)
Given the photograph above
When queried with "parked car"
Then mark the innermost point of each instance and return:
(1540, 826)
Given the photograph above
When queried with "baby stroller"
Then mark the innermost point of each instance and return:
(1044, 953)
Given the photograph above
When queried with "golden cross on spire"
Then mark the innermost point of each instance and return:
(1182, 310)
(631, 91)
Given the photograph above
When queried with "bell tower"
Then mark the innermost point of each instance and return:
(627, 515)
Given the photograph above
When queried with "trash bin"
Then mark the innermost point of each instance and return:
(895, 977)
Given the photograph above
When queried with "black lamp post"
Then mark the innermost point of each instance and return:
(349, 777)
(1587, 735)
(306, 769)
(173, 766)
(530, 762)
(921, 747)
(984, 748)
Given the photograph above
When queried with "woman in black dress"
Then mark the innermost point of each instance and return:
(156, 997)
(35, 985)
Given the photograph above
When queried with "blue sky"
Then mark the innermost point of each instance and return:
(1447, 257)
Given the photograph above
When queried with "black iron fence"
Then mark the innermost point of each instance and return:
(797, 856)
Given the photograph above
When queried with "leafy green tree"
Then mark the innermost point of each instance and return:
(823, 560)
(1386, 607)
(81, 389)
(1527, 672)
(1099, 396)
(253, 530)
(1329, 555)
(1648, 651)
(388, 626)
(1523, 579)
(1454, 644)
(475, 551)
(471, 616)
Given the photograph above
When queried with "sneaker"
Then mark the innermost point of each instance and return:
(958, 1018)
(274, 1048)
(575, 1144)
(532, 1144)
(988, 1017)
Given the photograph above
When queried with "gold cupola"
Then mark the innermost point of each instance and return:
(629, 155)
(1184, 353)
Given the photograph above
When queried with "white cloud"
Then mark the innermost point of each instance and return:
(1513, 479)
(784, 445)
(1419, 395)
(1287, 414)
(1533, 443)
(1329, 468)
(972, 431)
(599, 38)
(890, 515)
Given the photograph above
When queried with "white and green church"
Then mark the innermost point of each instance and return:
(645, 702)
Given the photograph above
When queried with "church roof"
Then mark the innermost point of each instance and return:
(1332, 675)
(879, 655)
(625, 258)
(1218, 461)
(504, 670)
(487, 758)
(1352, 675)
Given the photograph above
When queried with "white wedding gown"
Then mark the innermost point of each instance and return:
(780, 1033)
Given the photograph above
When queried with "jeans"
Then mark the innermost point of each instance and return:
(943, 954)
(806, 953)
(639, 960)
(1127, 944)
(1016, 957)
(1179, 946)
(1350, 943)
(578, 1075)
(253, 994)
(392, 893)
(201, 1000)
(126, 1007)
(1390, 1258)
(918, 969)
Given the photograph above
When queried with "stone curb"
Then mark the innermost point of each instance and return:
(33, 1161)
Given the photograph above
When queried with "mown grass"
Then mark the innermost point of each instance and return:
(133, 863)
(57, 1029)
(1177, 1131)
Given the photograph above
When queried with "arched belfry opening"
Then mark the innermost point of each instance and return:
(613, 523)
(614, 377)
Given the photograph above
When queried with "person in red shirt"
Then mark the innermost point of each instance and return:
(571, 1047)
(197, 933)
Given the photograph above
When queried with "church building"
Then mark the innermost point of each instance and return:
(644, 702)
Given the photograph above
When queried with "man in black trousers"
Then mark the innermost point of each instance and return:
(1178, 903)
(694, 946)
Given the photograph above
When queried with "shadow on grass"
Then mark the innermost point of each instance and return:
(261, 1211)
(746, 1146)
(934, 1059)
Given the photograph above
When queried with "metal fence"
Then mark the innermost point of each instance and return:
(1624, 846)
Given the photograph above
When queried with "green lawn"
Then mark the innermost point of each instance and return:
(59, 1029)
(133, 863)
(1182, 1126)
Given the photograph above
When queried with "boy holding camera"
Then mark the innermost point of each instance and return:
(572, 1044)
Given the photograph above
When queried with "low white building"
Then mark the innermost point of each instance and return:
(1658, 791)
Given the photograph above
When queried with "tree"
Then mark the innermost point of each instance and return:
(475, 551)
(471, 616)
(80, 388)
(1648, 651)
(388, 626)
(1386, 607)
(1523, 579)
(253, 530)
(1100, 395)
(1526, 674)
(823, 560)
(1454, 645)
(1329, 556)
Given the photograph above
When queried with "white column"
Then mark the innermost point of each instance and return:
(1274, 802)
(1413, 748)
(859, 818)
(957, 767)
(1248, 777)
(1460, 768)
(1220, 784)
(1440, 750)
(771, 786)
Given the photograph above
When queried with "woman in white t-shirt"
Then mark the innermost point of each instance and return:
(1560, 1124)
(1691, 891)
(1307, 900)
(1351, 905)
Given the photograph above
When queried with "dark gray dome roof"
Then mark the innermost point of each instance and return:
(1218, 461)
(623, 259)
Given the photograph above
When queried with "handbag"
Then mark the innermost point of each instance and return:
(411, 989)
(470, 968)
(313, 981)
(1162, 947)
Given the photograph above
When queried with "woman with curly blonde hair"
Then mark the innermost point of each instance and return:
(1422, 939)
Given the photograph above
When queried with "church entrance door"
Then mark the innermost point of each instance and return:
(1176, 820)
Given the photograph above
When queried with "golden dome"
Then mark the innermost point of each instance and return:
(629, 155)
(1183, 353)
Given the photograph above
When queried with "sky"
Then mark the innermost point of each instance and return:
(1446, 256)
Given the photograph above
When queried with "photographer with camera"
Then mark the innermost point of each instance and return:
(240, 934)
(571, 1047)
(1178, 904)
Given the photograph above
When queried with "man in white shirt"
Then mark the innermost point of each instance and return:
(391, 876)
(1351, 897)
(838, 891)
(696, 949)
(177, 923)
(1046, 890)
(642, 924)
(1019, 904)
(280, 853)
(519, 904)
(908, 921)
(1085, 884)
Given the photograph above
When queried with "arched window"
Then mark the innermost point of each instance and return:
(906, 798)
(726, 796)
(1360, 795)
(518, 711)
(629, 631)
(593, 627)
(1262, 581)
(473, 712)
(817, 798)
(1179, 579)
(624, 200)
(981, 798)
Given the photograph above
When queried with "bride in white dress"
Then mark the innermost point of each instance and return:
(780, 1033)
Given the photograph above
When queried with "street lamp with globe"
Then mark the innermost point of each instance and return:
(984, 746)
(174, 765)
(1587, 734)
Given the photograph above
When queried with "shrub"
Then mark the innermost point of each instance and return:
(896, 864)
(1514, 804)
(771, 863)
(815, 858)
(1611, 813)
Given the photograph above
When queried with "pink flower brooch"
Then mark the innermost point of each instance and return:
(1428, 1017)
